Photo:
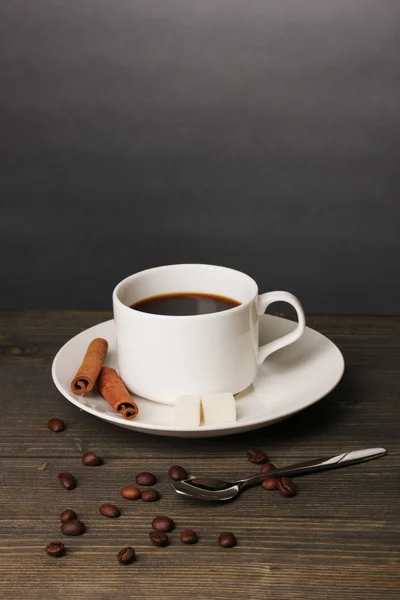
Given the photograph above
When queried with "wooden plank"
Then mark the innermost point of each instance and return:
(367, 490)
(338, 538)
(194, 574)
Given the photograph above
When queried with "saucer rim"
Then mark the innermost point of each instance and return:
(217, 429)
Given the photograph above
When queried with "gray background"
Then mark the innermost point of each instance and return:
(258, 134)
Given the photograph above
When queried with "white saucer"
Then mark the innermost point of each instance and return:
(288, 381)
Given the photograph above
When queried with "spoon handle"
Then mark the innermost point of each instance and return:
(321, 464)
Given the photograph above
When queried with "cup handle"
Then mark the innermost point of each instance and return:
(263, 302)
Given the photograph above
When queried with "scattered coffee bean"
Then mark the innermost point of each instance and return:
(227, 540)
(73, 527)
(177, 473)
(55, 549)
(286, 486)
(67, 480)
(68, 515)
(159, 538)
(270, 483)
(130, 492)
(90, 459)
(146, 479)
(267, 467)
(56, 425)
(150, 495)
(109, 510)
(257, 456)
(126, 555)
(163, 524)
(188, 536)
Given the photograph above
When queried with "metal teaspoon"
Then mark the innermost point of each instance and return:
(206, 488)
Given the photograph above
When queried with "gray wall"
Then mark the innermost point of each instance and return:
(259, 134)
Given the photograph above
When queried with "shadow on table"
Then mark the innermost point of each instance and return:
(316, 423)
(313, 423)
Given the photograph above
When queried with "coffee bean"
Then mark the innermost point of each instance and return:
(267, 467)
(90, 459)
(257, 456)
(73, 527)
(67, 480)
(68, 515)
(188, 536)
(126, 555)
(130, 492)
(55, 549)
(150, 495)
(227, 540)
(163, 524)
(109, 510)
(146, 479)
(177, 473)
(270, 483)
(286, 486)
(159, 538)
(56, 425)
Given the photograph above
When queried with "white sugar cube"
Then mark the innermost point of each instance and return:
(218, 408)
(187, 411)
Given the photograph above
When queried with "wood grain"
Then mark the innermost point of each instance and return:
(338, 538)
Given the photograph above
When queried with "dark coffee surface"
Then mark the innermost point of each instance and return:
(185, 304)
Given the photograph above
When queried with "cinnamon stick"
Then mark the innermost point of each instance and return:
(113, 389)
(88, 372)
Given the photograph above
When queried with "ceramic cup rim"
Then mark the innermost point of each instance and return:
(200, 266)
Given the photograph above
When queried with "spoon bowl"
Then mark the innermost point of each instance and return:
(207, 489)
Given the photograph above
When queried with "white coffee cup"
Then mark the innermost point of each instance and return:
(161, 357)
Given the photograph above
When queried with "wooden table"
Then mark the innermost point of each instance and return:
(337, 539)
